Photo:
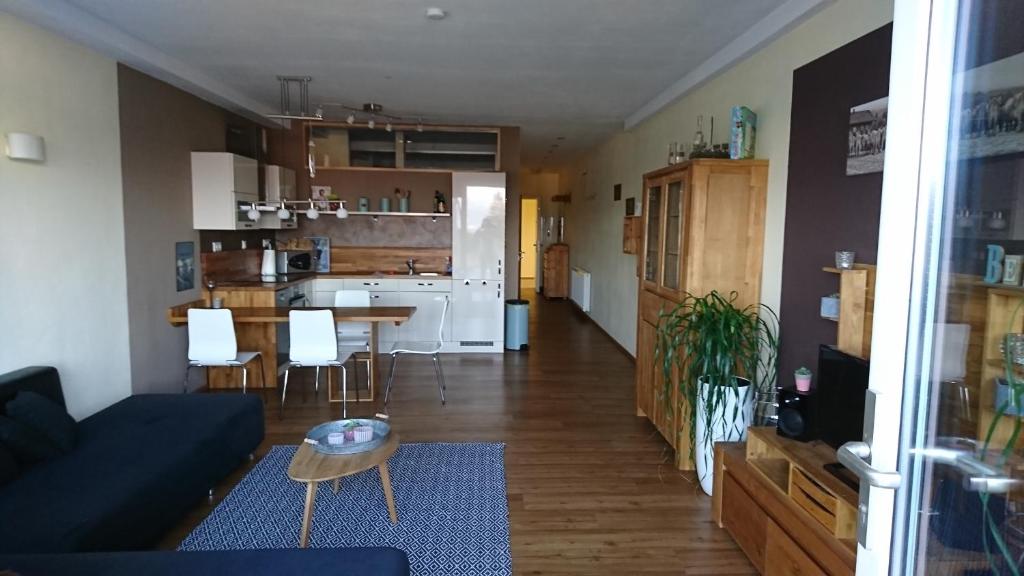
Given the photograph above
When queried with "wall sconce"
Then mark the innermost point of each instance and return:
(24, 146)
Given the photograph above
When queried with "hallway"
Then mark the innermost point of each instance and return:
(591, 487)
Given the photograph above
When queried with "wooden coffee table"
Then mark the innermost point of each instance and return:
(313, 467)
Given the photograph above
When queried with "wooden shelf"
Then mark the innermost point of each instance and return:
(856, 308)
(776, 470)
(379, 169)
(402, 214)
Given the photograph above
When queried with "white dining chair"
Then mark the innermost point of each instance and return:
(432, 349)
(314, 344)
(212, 343)
(354, 337)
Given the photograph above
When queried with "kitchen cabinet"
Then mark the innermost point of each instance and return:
(422, 327)
(478, 225)
(477, 312)
(278, 185)
(340, 146)
(224, 186)
(703, 230)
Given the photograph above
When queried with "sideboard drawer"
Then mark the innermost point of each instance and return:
(744, 520)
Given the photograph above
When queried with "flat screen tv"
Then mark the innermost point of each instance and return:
(842, 384)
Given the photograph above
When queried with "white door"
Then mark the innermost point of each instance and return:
(423, 325)
(940, 449)
(478, 224)
(477, 311)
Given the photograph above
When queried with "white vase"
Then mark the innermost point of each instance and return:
(725, 427)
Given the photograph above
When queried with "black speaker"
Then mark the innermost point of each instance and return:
(797, 415)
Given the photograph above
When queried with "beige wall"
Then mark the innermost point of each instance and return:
(763, 82)
(160, 126)
(62, 242)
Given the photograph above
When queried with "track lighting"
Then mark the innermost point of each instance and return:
(351, 119)
(342, 213)
(370, 124)
(387, 127)
(253, 213)
(283, 213)
(419, 125)
(312, 213)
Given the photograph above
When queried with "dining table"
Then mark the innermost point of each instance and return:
(255, 329)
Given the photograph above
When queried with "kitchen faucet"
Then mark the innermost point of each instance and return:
(411, 263)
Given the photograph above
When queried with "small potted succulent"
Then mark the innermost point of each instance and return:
(803, 379)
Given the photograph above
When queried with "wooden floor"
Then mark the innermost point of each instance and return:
(590, 485)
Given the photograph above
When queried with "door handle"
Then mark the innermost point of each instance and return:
(854, 456)
(981, 476)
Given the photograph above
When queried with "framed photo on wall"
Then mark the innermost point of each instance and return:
(184, 265)
(866, 137)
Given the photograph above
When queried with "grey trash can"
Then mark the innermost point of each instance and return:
(517, 325)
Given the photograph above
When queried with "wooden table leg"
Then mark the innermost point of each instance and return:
(371, 379)
(337, 485)
(307, 515)
(389, 497)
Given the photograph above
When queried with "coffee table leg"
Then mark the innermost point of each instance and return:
(337, 485)
(307, 516)
(385, 482)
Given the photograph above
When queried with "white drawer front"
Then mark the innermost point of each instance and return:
(371, 284)
(328, 284)
(425, 285)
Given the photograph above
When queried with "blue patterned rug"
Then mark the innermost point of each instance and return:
(452, 510)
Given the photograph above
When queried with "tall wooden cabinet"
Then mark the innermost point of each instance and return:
(703, 230)
(556, 271)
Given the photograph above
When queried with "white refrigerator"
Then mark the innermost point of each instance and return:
(478, 252)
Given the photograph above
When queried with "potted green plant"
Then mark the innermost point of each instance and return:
(803, 379)
(726, 358)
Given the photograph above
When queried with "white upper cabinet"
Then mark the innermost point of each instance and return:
(223, 187)
(278, 184)
(478, 225)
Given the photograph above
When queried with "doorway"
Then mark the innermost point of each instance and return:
(528, 244)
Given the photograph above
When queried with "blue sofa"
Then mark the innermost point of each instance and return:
(137, 468)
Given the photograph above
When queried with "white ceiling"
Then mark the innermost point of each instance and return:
(572, 68)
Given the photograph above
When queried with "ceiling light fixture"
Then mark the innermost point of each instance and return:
(435, 13)
(371, 123)
(387, 127)
(302, 83)
(351, 119)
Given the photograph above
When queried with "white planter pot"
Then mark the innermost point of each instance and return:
(725, 427)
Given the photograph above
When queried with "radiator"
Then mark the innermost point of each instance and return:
(579, 288)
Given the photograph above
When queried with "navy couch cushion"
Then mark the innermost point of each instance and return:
(28, 444)
(9, 468)
(138, 467)
(320, 562)
(46, 416)
(39, 379)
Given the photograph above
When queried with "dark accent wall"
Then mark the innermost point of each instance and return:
(826, 210)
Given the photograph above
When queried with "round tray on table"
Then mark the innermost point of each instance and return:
(317, 437)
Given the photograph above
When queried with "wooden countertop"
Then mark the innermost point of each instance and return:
(178, 315)
(255, 283)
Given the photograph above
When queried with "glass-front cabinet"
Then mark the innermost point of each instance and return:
(666, 201)
(333, 146)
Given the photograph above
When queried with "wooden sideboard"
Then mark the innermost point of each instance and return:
(787, 513)
(703, 230)
(556, 271)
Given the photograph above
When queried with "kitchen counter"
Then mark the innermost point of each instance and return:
(256, 283)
